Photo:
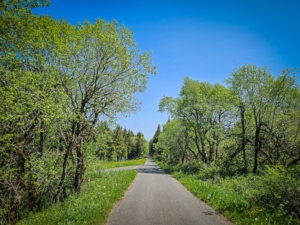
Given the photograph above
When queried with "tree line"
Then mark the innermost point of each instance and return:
(58, 82)
(118, 144)
(251, 122)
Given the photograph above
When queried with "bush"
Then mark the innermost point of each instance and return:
(282, 191)
(159, 158)
(192, 167)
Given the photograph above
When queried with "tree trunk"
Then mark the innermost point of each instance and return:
(242, 109)
(79, 174)
(205, 158)
(63, 175)
(196, 140)
(217, 151)
(211, 151)
(42, 138)
(256, 148)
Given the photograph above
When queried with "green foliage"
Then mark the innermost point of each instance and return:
(18, 5)
(154, 141)
(204, 111)
(265, 101)
(57, 81)
(117, 144)
(218, 133)
(281, 191)
(29, 149)
(186, 168)
(141, 145)
(269, 198)
(249, 124)
(200, 170)
(92, 206)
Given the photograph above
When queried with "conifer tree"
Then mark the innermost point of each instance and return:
(154, 140)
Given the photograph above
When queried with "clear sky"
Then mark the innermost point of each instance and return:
(204, 40)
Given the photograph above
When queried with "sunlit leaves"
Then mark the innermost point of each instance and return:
(205, 111)
(57, 82)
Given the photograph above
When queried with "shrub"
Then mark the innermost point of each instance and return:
(282, 191)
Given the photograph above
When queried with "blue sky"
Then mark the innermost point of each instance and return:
(204, 40)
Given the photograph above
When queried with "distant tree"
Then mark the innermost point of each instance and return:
(154, 140)
(103, 140)
(175, 142)
(141, 145)
(133, 148)
(205, 110)
(119, 144)
(128, 140)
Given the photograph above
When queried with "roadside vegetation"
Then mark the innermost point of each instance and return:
(92, 205)
(108, 164)
(62, 88)
(269, 198)
(237, 146)
(101, 190)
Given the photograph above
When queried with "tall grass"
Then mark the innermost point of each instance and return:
(92, 206)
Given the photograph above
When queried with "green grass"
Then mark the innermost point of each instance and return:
(107, 165)
(92, 206)
(243, 199)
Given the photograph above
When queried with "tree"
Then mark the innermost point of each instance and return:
(31, 100)
(119, 143)
(100, 76)
(129, 143)
(57, 82)
(141, 145)
(175, 141)
(205, 110)
(257, 115)
(32, 103)
(262, 101)
(103, 141)
(18, 6)
(154, 140)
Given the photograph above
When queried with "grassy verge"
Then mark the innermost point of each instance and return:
(107, 165)
(272, 198)
(92, 206)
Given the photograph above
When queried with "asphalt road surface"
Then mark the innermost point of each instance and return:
(156, 198)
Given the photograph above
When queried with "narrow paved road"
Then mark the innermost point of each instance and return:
(157, 198)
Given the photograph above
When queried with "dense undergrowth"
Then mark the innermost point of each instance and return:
(101, 191)
(272, 197)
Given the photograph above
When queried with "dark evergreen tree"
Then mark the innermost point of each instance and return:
(154, 140)
(128, 136)
(119, 143)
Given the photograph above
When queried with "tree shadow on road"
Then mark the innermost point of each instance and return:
(151, 169)
(209, 213)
